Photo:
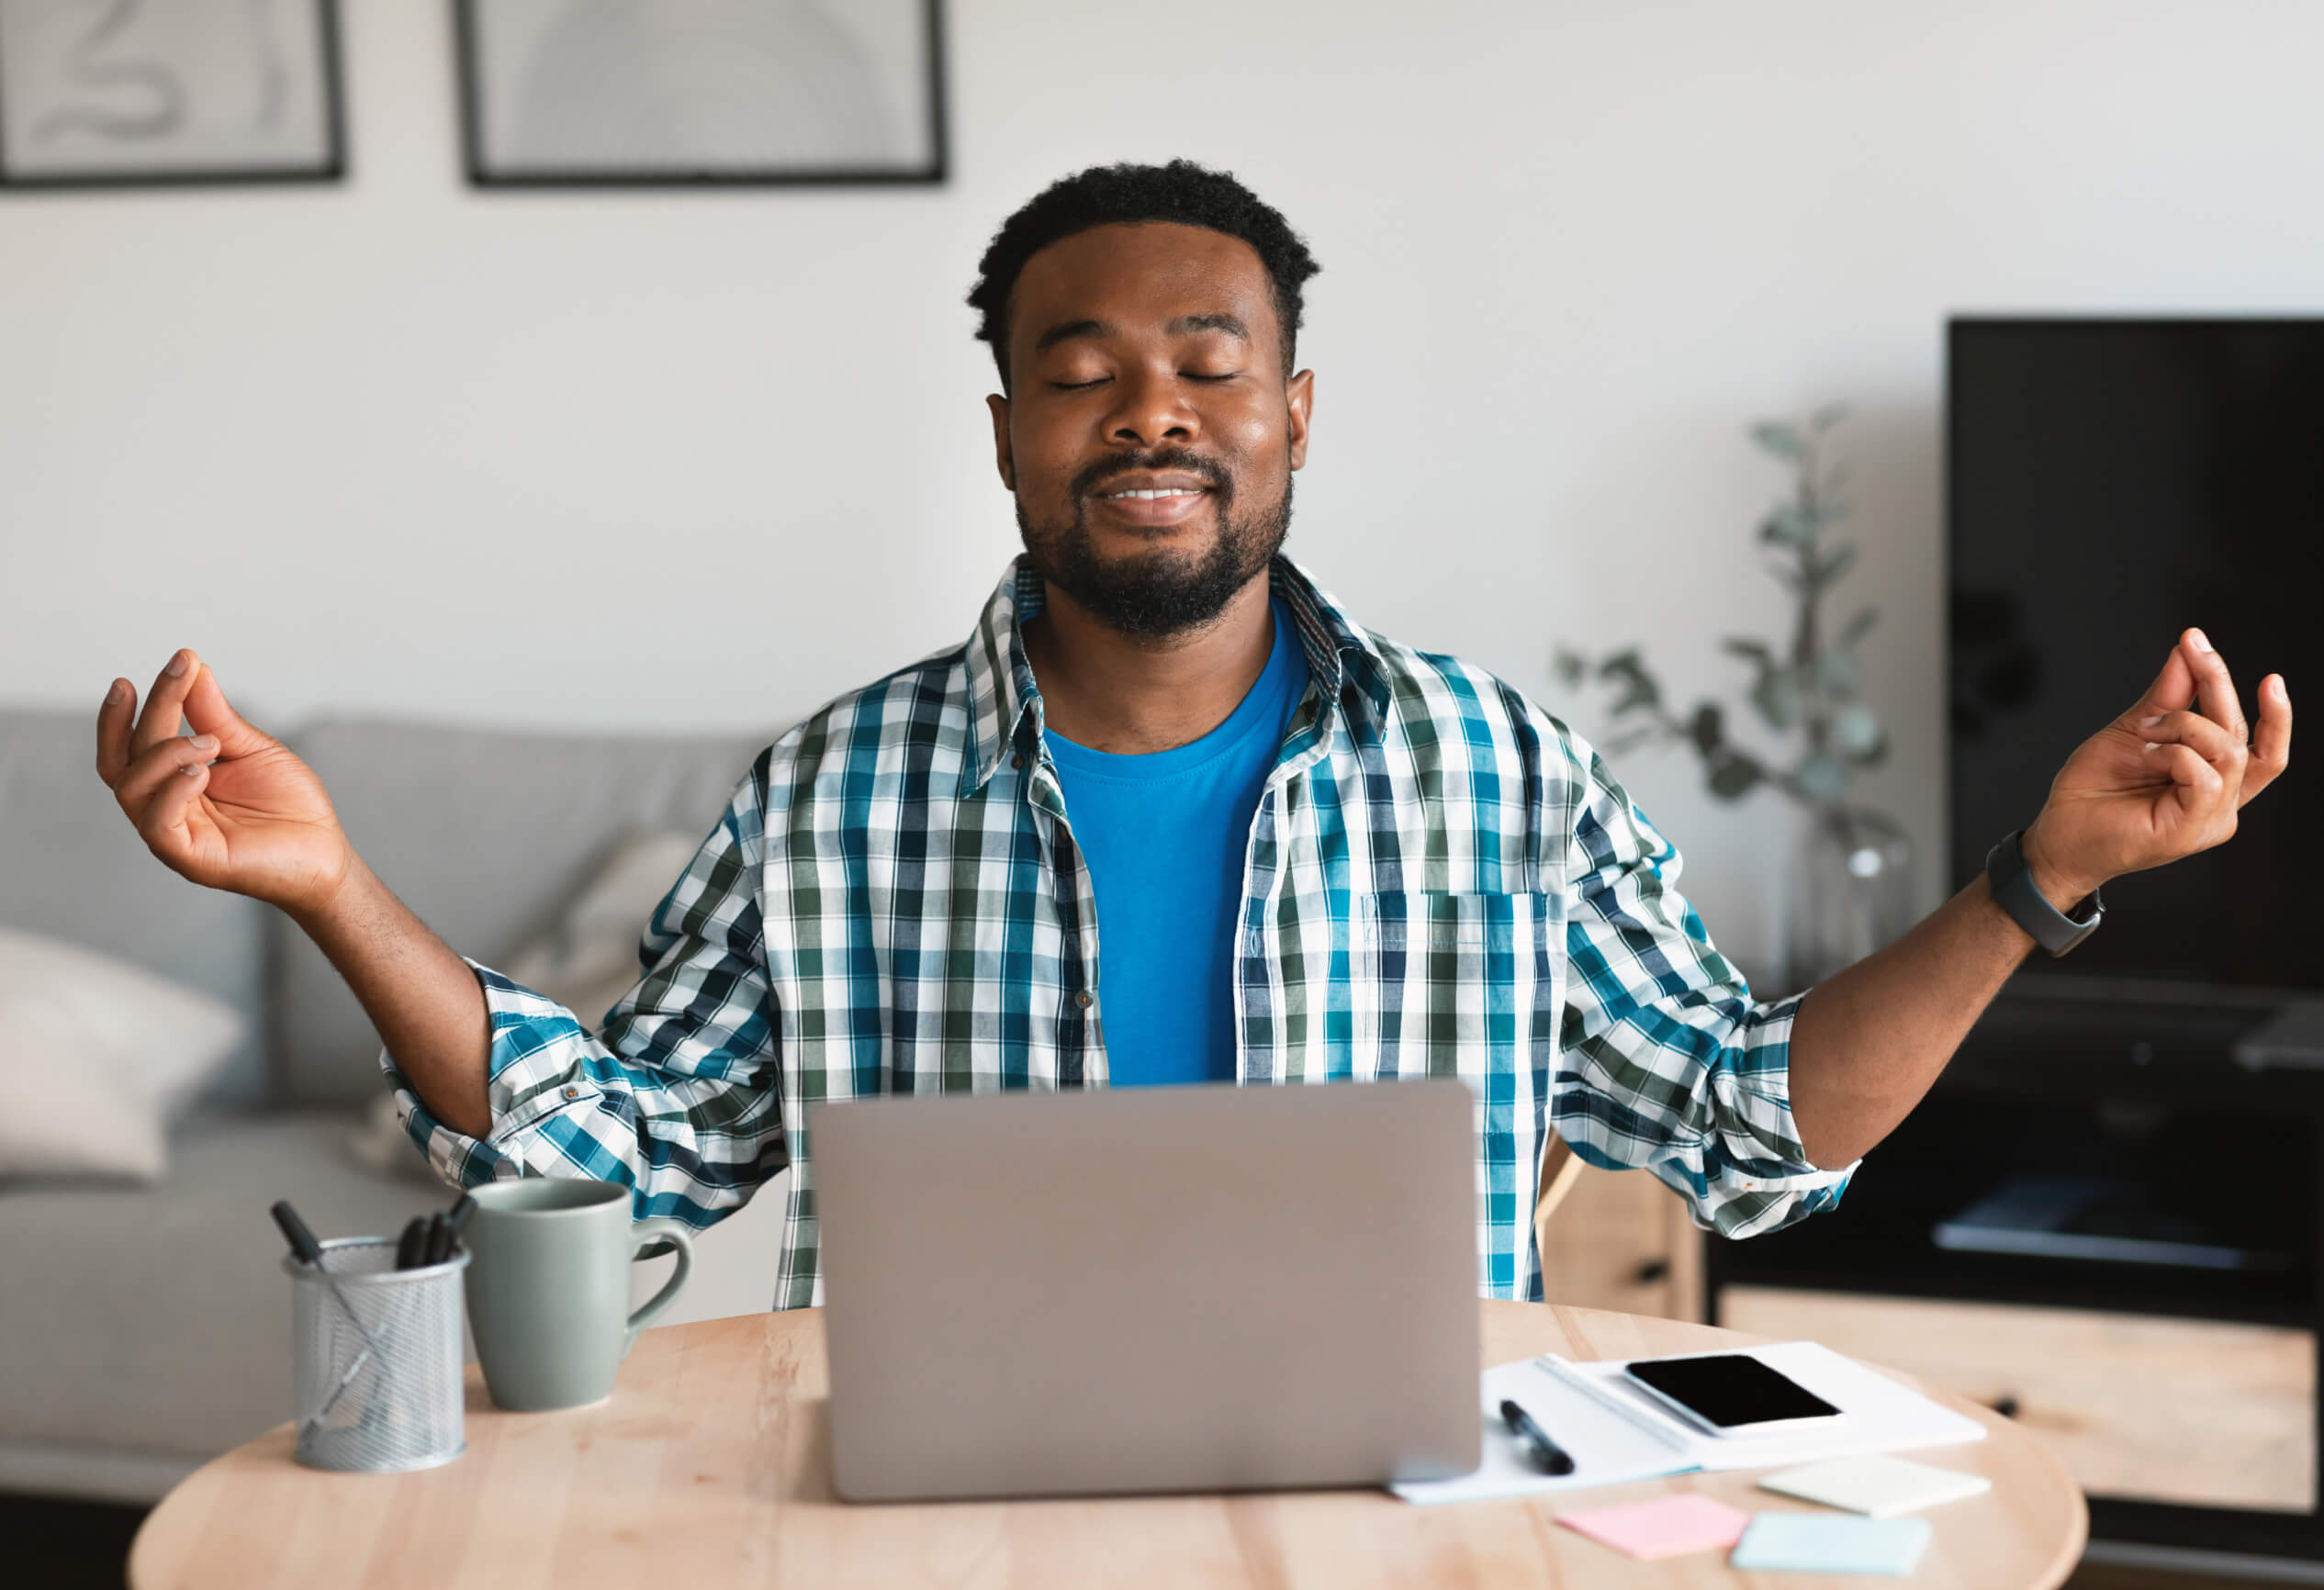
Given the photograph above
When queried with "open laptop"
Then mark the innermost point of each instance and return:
(1167, 1289)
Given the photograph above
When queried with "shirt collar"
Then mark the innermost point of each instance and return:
(1004, 704)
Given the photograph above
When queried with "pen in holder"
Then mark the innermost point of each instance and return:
(375, 1380)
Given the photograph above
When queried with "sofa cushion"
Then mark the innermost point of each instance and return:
(588, 959)
(77, 870)
(485, 833)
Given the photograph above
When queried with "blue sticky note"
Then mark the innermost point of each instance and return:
(1830, 1543)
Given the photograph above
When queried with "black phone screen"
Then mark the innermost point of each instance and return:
(1730, 1389)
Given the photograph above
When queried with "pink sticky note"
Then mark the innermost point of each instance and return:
(1666, 1526)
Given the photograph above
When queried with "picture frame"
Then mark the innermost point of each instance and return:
(633, 94)
(112, 94)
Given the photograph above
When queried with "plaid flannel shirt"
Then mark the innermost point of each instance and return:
(1442, 880)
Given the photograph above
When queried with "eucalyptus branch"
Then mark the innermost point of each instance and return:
(1807, 689)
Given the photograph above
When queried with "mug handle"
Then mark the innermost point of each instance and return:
(642, 1234)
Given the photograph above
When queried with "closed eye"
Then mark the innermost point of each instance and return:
(1200, 376)
(1077, 386)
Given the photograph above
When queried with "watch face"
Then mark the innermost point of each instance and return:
(2088, 925)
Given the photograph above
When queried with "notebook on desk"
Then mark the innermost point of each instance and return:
(1615, 1434)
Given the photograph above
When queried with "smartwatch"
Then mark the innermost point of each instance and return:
(2013, 884)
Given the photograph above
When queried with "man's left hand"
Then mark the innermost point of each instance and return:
(2163, 780)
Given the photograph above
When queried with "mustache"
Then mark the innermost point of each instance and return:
(1212, 473)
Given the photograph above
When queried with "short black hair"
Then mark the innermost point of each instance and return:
(1181, 191)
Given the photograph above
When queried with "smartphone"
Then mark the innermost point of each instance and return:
(1727, 1392)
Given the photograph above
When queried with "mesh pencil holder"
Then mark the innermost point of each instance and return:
(376, 1381)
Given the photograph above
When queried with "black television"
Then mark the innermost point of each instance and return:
(2110, 481)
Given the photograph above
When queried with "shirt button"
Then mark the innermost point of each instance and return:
(572, 1093)
(1016, 761)
(1082, 999)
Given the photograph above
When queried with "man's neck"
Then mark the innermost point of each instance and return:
(1134, 694)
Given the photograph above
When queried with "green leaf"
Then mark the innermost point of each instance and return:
(1857, 729)
(1777, 437)
(1636, 688)
(1856, 628)
(1751, 650)
(1777, 695)
(1822, 776)
(1787, 526)
(1706, 729)
(1831, 414)
(1835, 564)
(1571, 667)
(1835, 673)
(1734, 774)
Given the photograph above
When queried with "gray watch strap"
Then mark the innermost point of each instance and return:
(2013, 884)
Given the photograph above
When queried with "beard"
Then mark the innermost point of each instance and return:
(1160, 593)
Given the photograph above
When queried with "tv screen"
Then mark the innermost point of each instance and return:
(2111, 482)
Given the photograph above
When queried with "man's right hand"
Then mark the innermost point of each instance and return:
(230, 808)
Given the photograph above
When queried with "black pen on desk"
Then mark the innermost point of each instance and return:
(1551, 1458)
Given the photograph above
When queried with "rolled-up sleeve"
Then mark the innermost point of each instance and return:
(1666, 1061)
(681, 1097)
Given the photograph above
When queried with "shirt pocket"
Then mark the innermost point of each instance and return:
(1450, 982)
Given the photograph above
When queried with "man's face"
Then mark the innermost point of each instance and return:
(1150, 433)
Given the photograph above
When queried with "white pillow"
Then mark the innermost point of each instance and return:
(585, 962)
(589, 959)
(98, 1058)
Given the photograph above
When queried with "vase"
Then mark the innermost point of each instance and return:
(1851, 892)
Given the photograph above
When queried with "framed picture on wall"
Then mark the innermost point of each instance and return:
(652, 93)
(121, 92)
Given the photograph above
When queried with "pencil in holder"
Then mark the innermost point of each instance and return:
(375, 1380)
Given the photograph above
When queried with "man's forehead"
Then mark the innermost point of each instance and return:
(1154, 271)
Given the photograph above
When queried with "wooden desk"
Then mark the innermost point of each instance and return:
(707, 1467)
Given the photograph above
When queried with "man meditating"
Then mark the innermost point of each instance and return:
(1170, 814)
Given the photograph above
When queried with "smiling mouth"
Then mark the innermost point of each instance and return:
(1162, 494)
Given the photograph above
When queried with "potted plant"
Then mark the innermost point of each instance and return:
(1851, 887)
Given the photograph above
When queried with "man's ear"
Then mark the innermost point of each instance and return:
(1003, 456)
(1300, 399)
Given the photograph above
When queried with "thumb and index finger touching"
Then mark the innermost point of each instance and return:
(207, 710)
(185, 692)
(2196, 676)
(2193, 675)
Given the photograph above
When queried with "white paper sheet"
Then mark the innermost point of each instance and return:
(1615, 1433)
(1608, 1447)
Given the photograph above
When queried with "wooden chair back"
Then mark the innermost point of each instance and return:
(1561, 1168)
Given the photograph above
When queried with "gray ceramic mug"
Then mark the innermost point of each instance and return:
(548, 1284)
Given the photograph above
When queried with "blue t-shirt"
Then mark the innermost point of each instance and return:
(1164, 836)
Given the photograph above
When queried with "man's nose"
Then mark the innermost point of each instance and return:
(1151, 407)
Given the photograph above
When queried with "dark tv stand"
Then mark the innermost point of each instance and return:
(2292, 1036)
(2103, 1221)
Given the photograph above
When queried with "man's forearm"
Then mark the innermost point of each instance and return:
(422, 998)
(1867, 1044)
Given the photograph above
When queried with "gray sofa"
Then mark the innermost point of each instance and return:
(146, 1329)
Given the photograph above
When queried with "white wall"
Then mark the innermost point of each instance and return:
(708, 459)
